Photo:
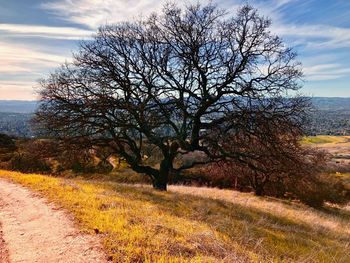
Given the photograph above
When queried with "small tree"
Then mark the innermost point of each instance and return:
(174, 84)
(7, 149)
(7, 143)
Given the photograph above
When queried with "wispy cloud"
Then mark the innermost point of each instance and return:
(15, 54)
(21, 66)
(28, 51)
(5, 68)
(326, 71)
(69, 33)
(93, 13)
(316, 36)
(13, 90)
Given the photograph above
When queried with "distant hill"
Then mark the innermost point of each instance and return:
(15, 116)
(331, 116)
(321, 103)
(330, 103)
(15, 124)
(18, 106)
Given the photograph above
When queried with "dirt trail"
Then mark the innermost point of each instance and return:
(35, 231)
(4, 256)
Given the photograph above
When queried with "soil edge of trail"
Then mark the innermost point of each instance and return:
(34, 230)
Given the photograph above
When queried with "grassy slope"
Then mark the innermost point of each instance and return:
(188, 224)
(322, 139)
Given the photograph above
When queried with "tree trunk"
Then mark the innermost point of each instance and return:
(160, 182)
(259, 189)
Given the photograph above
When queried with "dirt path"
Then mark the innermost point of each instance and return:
(34, 231)
(4, 256)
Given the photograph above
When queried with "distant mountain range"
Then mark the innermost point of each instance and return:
(320, 103)
(332, 116)
(331, 103)
(18, 106)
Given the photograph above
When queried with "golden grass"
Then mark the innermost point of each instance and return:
(325, 139)
(189, 224)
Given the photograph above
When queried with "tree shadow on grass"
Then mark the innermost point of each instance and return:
(279, 235)
(336, 212)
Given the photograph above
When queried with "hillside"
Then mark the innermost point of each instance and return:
(331, 103)
(331, 116)
(15, 124)
(320, 103)
(15, 116)
(189, 224)
(18, 106)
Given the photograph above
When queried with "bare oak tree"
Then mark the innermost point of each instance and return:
(175, 84)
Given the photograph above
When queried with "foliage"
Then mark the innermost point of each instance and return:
(292, 171)
(317, 189)
(31, 156)
(298, 173)
(26, 162)
(7, 149)
(7, 143)
(54, 156)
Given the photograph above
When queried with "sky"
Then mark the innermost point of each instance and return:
(36, 36)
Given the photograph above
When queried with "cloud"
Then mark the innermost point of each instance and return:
(279, 3)
(21, 66)
(5, 68)
(14, 90)
(328, 71)
(316, 36)
(16, 56)
(27, 60)
(69, 33)
(93, 13)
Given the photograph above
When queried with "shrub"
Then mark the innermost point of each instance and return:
(320, 188)
(7, 149)
(7, 143)
(299, 174)
(25, 162)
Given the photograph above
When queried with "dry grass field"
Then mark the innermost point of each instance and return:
(189, 224)
(337, 146)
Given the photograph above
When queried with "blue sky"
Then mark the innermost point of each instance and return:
(37, 35)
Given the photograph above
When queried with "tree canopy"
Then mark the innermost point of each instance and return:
(177, 84)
